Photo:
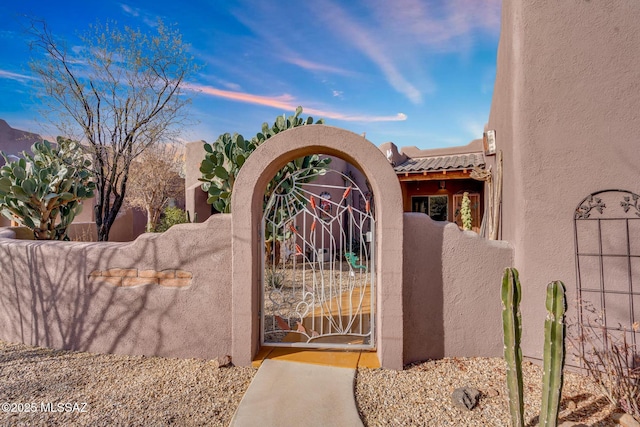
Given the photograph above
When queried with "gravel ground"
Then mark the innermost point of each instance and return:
(421, 395)
(117, 390)
(145, 391)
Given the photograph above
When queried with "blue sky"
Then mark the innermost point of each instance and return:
(415, 72)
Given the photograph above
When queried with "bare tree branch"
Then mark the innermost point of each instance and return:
(120, 93)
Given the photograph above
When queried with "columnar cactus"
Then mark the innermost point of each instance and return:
(44, 191)
(554, 333)
(512, 326)
(465, 212)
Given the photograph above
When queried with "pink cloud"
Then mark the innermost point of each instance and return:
(282, 101)
(288, 103)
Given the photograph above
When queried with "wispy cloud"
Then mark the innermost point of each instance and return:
(403, 38)
(314, 66)
(272, 37)
(222, 82)
(22, 78)
(6, 34)
(441, 26)
(473, 126)
(147, 17)
(130, 10)
(399, 117)
(366, 40)
(287, 102)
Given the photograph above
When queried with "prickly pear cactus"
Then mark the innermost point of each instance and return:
(43, 191)
(225, 157)
(465, 212)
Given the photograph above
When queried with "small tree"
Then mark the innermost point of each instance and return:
(171, 216)
(44, 191)
(225, 157)
(154, 180)
(121, 92)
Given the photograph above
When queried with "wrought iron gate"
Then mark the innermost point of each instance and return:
(607, 242)
(318, 284)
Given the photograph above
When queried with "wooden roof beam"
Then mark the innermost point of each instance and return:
(432, 176)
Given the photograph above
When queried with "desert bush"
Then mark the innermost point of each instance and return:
(171, 216)
(609, 359)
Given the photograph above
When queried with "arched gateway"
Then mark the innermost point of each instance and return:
(247, 246)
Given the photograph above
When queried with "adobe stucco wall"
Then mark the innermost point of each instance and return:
(195, 198)
(452, 282)
(164, 294)
(565, 110)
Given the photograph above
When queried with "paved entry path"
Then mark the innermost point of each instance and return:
(294, 388)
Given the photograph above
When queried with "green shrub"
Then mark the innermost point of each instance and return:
(171, 216)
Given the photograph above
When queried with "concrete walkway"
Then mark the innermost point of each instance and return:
(294, 388)
(296, 394)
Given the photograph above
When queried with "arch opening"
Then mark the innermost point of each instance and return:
(247, 208)
(318, 273)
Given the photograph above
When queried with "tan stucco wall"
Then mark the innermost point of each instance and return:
(129, 224)
(565, 110)
(195, 198)
(194, 155)
(451, 295)
(49, 298)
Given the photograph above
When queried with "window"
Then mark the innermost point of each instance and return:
(434, 206)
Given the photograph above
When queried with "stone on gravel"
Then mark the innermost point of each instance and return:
(465, 398)
(221, 361)
(492, 392)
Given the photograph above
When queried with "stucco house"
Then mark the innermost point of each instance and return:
(565, 119)
(432, 181)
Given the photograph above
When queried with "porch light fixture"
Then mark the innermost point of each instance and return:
(442, 185)
(489, 142)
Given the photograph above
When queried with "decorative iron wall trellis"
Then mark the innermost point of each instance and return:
(607, 250)
(318, 282)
